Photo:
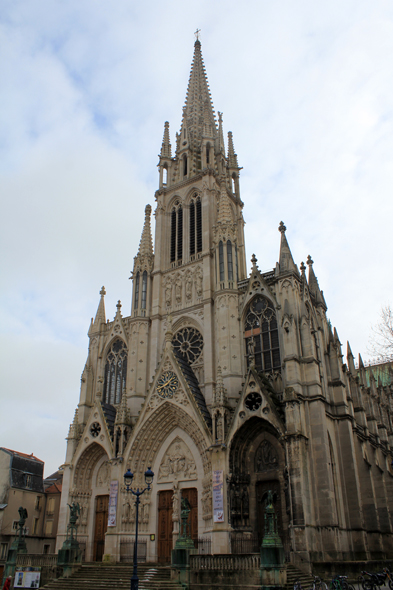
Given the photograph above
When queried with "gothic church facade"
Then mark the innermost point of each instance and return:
(227, 385)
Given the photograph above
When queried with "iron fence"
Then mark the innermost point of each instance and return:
(242, 543)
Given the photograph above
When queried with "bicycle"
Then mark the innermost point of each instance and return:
(340, 583)
(297, 585)
(318, 584)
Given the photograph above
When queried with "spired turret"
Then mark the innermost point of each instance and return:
(143, 266)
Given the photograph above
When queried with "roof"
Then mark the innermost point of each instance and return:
(193, 384)
(24, 455)
(54, 489)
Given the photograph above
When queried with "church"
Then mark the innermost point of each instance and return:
(226, 384)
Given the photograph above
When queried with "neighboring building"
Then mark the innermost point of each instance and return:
(219, 377)
(22, 484)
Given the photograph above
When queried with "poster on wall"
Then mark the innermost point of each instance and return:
(218, 496)
(27, 577)
(113, 503)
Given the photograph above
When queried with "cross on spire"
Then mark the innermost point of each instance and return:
(197, 34)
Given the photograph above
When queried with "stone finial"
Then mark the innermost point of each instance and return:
(232, 157)
(281, 227)
(310, 261)
(166, 148)
(303, 268)
(118, 306)
(169, 332)
(103, 292)
(254, 260)
(100, 315)
(146, 243)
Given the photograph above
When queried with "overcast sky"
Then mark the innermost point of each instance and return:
(306, 87)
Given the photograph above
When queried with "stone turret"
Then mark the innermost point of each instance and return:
(143, 266)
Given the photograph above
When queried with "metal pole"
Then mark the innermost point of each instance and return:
(135, 579)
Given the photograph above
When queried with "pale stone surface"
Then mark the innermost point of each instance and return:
(311, 429)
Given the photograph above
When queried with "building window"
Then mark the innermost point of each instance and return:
(46, 549)
(48, 527)
(207, 154)
(177, 233)
(27, 480)
(261, 335)
(37, 505)
(184, 165)
(115, 372)
(136, 300)
(221, 261)
(229, 260)
(51, 507)
(144, 289)
(165, 175)
(35, 526)
(195, 226)
(3, 551)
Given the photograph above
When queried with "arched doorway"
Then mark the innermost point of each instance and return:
(257, 465)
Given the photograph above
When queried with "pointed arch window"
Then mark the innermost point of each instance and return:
(176, 253)
(144, 289)
(261, 335)
(185, 162)
(115, 372)
(221, 261)
(136, 298)
(229, 260)
(195, 225)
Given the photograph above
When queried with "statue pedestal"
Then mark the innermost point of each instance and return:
(69, 557)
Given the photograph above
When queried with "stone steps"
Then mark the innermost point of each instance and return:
(118, 576)
(294, 574)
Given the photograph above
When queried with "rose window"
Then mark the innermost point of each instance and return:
(188, 342)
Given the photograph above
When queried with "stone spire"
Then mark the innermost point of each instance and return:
(313, 284)
(100, 315)
(198, 109)
(232, 157)
(166, 149)
(146, 243)
(350, 360)
(286, 262)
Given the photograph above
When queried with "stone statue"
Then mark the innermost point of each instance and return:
(168, 293)
(178, 288)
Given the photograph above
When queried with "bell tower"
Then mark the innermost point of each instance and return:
(199, 239)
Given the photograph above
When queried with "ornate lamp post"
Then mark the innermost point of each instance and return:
(128, 477)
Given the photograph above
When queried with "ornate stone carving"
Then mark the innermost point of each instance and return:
(103, 475)
(207, 498)
(177, 463)
(265, 457)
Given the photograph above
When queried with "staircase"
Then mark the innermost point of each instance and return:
(293, 574)
(99, 576)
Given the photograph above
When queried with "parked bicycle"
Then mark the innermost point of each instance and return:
(297, 585)
(340, 583)
(318, 584)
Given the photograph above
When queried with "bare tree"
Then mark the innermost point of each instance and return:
(381, 341)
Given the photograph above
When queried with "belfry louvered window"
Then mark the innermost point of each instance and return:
(176, 253)
(136, 299)
(229, 260)
(195, 226)
(261, 335)
(115, 372)
(221, 261)
(144, 289)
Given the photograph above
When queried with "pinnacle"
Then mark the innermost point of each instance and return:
(166, 149)
(100, 315)
(146, 243)
(232, 157)
(286, 261)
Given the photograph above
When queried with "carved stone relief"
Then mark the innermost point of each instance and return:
(103, 475)
(177, 463)
(265, 457)
(183, 287)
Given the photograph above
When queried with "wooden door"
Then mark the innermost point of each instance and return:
(165, 526)
(100, 526)
(192, 496)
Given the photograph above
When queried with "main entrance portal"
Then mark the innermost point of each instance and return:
(100, 526)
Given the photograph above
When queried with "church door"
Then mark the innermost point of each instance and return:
(165, 526)
(100, 527)
(192, 496)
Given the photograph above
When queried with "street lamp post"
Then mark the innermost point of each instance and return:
(128, 477)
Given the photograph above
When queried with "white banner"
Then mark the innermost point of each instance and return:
(113, 503)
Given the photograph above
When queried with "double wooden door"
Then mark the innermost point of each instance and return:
(165, 524)
(101, 525)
